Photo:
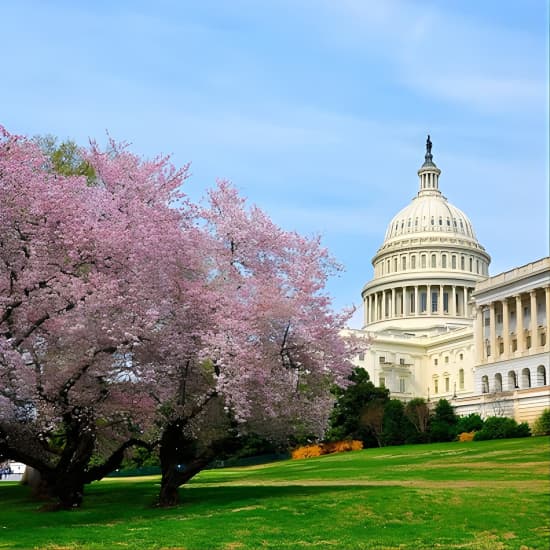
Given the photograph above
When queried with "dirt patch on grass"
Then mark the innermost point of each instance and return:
(526, 485)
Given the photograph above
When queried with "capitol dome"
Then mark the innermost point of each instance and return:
(428, 264)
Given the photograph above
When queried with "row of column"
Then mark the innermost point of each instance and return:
(503, 306)
(413, 301)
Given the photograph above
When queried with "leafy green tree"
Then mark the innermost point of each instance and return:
(65, 158)
(443, 426)
(356, 414)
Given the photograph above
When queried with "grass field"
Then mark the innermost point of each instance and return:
(490, 495)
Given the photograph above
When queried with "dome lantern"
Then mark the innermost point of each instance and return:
(429, 173)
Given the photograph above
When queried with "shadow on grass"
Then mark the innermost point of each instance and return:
(106, 503)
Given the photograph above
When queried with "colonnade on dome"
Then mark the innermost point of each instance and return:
(418, 300)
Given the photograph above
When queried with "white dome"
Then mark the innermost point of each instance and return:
(428, 214)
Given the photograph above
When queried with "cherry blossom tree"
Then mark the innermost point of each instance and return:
(75, 265)
(268, 345)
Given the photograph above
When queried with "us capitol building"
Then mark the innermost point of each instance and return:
(440, 327)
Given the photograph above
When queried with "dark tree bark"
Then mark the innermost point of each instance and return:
(180, 460)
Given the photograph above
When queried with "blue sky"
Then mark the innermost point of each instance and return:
(317, 110)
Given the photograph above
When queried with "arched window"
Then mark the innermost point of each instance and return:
(403, 262)
(461, 379)
(395, 264)
(471, 265)
(512, 380)
(485, 384)
(498, 382)
(423, 261)
(444, 260)
(453, 261)
(434, 260)
(413, 262)
(541, 376)
(462, 264)
(525, 378)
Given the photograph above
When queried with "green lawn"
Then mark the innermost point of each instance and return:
(480, 495)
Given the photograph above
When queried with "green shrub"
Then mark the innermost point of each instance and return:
(542, 423)
(498, 427)
(470, 423)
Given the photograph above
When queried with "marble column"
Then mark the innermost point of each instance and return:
(492, 331)
(533, 319)
(478, 335)
(519, 324)
(506, 328)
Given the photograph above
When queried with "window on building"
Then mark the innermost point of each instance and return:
(404, 262)
(395, 264)
(435, 299)
(440, 221)
(461, 356)
(471, 265)
(382, 359)
(402, 362)
(453, 262)
(542, 338)
(446, 359)
(501, 347)
(447, 384)
(477, 267)
(413, 262)
(435, 362)
(382, 382)
(434, 260)
(444, 261)
(462, 263)
(484, 384)
(528, 341)
(423, 302)
(361, 356)
(402, 385)
(423, 261)
(446, 302)
(461, 379)
(514, 344)
(436, 386)
(388, 265)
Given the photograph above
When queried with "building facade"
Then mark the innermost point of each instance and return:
(440, 327)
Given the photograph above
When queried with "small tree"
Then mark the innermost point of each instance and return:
(352, 403)
(397, 428)
(444, 422)
(418, 413)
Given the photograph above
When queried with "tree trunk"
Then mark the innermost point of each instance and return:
(68, 489)
(179, 462)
